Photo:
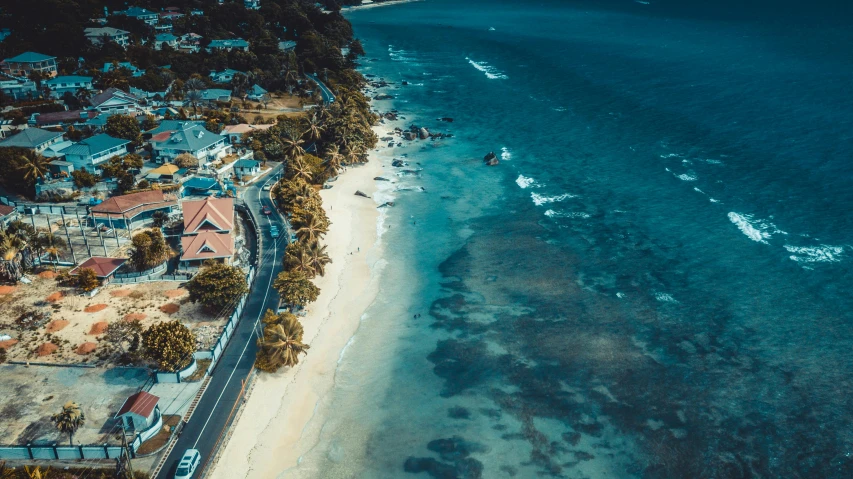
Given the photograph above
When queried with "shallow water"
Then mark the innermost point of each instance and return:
(655, 280)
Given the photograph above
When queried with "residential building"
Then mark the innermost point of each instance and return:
(224, 76)
(169, 126)
(61, 118)
(207, 231)
(96, 36)
(18, 89)
(8, 214)
(34, 139)
(192, 138)
(256, 93)
(134, 71)
(67, 83)
(54, 150)
(215, 94)
(4, 33)
(28, 62)
(115, 101)
(197, 12)
(143, 14)
(208, 215)
(253, 4)
(201, 186)
(245, 169)
(167, 173)
(165, 39)
(60, 168)
(169, 16)
(88, 154)
(127, 210)
(287, 46)
(103, 267)
(139, 412)
(228, 45)
(235, 132)
(190, 42)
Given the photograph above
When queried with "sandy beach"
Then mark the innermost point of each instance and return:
(273, 430)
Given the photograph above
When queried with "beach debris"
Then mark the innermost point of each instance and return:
(379, 178)
(491, 159)
(360, 193)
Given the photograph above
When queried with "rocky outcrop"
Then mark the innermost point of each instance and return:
(399, 163)
(384, 96)
(491, 159)
(423, 133)
(386, 204)
(408, 135)
(379, 178)
(446, 118)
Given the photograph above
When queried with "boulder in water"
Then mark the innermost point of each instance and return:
(491, 159)
(423, 133)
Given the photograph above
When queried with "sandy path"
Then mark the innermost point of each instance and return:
(271, 434)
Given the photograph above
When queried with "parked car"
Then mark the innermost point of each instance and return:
(266, 187)
(188, 464)
(274, 231)
(266, 210)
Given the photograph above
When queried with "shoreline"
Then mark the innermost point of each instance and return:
(377, 4)
(279, 429)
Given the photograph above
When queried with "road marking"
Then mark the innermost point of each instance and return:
(260, 313)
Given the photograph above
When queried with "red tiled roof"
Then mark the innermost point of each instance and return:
(6, 209)
(141, 403)
(207, 245)
(63, 116)
(162, 136)
(121, 204)
(210, 214)
(102, 266)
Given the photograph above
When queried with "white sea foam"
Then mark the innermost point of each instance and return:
(524, 182)
(620, 295)
(815, 254)
(670, 155)
(713, 200)
(699, 191)
(560, 108)
(506, 154)
(687, 177)
(566, 214)
(491, 72)
(665, 298)
(713, 162)
(540, 200)
(754, 229)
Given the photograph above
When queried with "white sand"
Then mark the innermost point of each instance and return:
(272, 431)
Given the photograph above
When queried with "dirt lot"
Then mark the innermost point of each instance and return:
(60, 326)
(30, 395)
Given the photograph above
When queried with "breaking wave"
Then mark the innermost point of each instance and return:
(566, 214)
(524, 182)
(756, 230)
(815, 254)
(491, 72)
(540, 200)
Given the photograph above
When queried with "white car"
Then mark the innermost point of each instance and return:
(266, 187)
(189, 463)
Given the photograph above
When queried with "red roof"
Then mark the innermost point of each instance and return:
(6, 209)
(65, 116)
(124, 203)
(102, 266)
(207, 245)
(141, 403)
(210, 214)
(162, 136)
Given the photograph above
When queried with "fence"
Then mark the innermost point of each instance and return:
(154, 274)
(177, 376)
(54, 452)
(157, 269)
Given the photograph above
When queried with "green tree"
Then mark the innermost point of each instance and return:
(310, 227)
(149, 123)
(84, 179)
(87, 280)
(123, 338)
(169, 345)
(281, 344)
(124, 127)
(217, 286)
(295, 288)
(69, 420)
(148, 249)
(186, 160)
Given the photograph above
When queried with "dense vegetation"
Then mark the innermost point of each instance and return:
(218, 287)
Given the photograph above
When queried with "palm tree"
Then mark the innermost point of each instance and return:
(194, 84)
(301, 169)
(310, 229)
(319, 258)
(33, 167)
(293, 148)
(315, 129)
(10, 257)
(52, 246)
(7, 472)
(194, 97)
(281, 344)
(69, 420)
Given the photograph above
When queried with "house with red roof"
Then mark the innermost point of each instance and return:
(127, 210)
(103, 267)
(208, 224)
(139, 412)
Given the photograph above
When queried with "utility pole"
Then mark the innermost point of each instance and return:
(126, 448)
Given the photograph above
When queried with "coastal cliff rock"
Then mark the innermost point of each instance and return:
(491, 159)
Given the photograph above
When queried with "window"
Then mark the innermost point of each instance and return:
(182, 471)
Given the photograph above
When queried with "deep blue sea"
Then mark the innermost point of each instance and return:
(655, 282)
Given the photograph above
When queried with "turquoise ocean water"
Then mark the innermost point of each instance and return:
(654, 282)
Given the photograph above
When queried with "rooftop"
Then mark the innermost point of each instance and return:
(207, 245)
(122, 204)
(188, 137)
(229, 43)
(101, 31)
(94, 145)
(109, 93)
(102, 266)
(30, 138)
(210, 214)
(5, 210)
(67, 79)
(141, 403)
(29, 57)
(244, 128)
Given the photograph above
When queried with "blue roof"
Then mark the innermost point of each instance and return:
(136, 12)
(30, 138)
(68, 79)
(215, 94)
(94, 145)
(172, 125)
(128, 65)
(246, 163)
(234, 42)
(256, 90)
(202, 183)
(165, 37)
(29, 57)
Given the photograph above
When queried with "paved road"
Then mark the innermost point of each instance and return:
(211, 413)
(328, 96)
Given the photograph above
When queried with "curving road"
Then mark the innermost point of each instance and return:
(328, 96)
(209, 418)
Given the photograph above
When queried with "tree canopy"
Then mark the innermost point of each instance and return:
(295, 288)
(169, 345)
(124, 127)
(148, 249)
(217, 287)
